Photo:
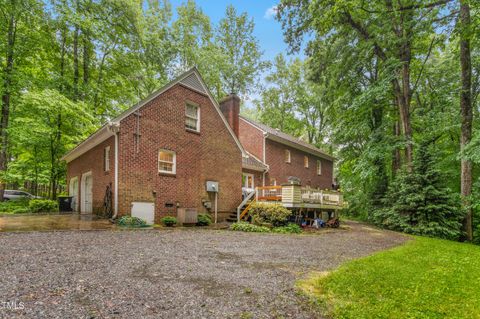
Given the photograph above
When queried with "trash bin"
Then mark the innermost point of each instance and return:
(65, 203)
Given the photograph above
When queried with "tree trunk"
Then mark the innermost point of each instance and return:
(466, 112)
(86, 58)
(396, 160)
(76, 73)
(6, 95)
(62, 59)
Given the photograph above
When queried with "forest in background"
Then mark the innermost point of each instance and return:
(389, 87)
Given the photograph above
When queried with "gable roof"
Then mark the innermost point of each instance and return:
(191, 79)
(287, 139)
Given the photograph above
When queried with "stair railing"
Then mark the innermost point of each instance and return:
(245, 201)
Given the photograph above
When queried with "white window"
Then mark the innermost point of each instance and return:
(287, 156)
(319, 167)
(305, 161)
(247, 181)
(167, 162)
(273, 182)
(192, 117)
(106, 159)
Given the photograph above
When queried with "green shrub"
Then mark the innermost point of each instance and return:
(418, 202)
(129, 221)
(43, 206)
(204, 220)
(15, 206)
(269, 215)
(476, 235)
(289, 229)
(246, 227)
(21, 210)
(169, 221)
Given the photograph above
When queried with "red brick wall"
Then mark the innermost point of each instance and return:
(230, 107)
(251, 139)
(280, 170)
(93, 161)
(211, 154)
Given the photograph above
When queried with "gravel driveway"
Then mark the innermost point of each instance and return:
(191, 273)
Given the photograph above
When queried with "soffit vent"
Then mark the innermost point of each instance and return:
(193, 82)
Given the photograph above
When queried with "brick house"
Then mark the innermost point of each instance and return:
(158, 156)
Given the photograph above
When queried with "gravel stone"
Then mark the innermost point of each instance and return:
(180, 273)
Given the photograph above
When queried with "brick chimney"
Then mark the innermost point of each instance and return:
(230, 107)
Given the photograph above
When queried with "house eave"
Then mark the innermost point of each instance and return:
(299, 147)
(104, 133)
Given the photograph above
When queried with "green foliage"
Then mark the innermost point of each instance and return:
(428, 277)
(419, 203)
(43, 206)
(270, 215)
(168, 221)
(247, 227)
(204, 220)
(476, 235)
(129, 221)
(289, 229)
(240, 50)
(15, 206)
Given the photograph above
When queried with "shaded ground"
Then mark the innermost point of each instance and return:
(9, 223)
(170, 273)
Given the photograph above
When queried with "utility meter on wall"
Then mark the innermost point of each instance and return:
(212, 187)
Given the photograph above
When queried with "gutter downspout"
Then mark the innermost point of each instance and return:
(265, 135)
(115, 128)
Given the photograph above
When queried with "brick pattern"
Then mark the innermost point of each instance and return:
(211, 154)
(230, 107)
(251, 139)
(280, 170)
(93, 161)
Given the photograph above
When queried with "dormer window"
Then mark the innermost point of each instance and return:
(192, 117)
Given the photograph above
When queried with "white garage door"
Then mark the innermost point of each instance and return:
(144, 210)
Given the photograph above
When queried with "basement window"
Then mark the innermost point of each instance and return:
(319, 167)
(192, 117)
(288, 158)
(167, 162)
(106, 159)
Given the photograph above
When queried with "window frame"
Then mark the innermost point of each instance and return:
(247, 175)
(197, 107)
(319, 167)
(174, 162)
(288, 157)
(106, 159)
(306, 161)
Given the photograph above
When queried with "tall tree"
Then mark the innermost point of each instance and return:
(466, 112)
(18, 27)
(393, 32)
(241, 50)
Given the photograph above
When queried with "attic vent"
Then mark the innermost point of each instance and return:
(193, 82)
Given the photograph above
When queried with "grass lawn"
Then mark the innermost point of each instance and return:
(425, 278)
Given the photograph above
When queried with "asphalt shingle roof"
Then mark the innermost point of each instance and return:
(285, 136)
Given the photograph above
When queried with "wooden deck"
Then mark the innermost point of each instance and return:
(293, 197)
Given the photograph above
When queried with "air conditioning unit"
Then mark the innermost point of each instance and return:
(187, 216)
